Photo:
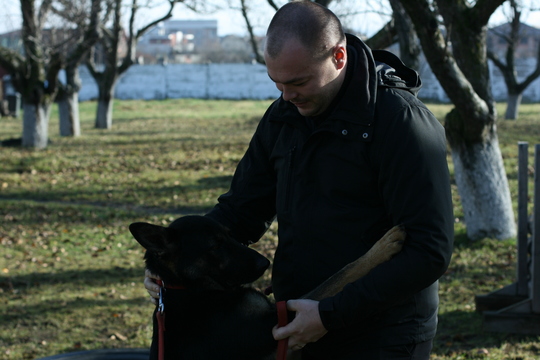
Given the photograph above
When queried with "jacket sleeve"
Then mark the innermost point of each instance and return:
(409, 155)
(248, 208)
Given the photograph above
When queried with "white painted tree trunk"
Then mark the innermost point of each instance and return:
(512, 107)
(68, 109)
(483, 188)
(104, 114)
(35, 125)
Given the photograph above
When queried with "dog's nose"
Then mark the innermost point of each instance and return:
(263, 263)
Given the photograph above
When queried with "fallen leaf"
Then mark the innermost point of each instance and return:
(120, 336)
(482, 352)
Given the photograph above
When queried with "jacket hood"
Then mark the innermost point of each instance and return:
(383, 69)
(393, 73)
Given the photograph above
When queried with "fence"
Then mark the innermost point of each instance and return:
(206, 81)
(516, 307)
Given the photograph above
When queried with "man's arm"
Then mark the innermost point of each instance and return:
(413, 180)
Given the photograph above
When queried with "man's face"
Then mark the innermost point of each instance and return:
(310, 84)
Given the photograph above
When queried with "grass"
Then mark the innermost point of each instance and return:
(71, 275)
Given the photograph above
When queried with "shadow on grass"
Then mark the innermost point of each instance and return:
(462, 331)
(30, 314)
(75, 278)
(83, 205)
(52, 209)
(70, 293)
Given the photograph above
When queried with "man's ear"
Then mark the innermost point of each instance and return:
(340, 56)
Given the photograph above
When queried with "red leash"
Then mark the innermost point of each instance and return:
(160, 316)
(282, 321)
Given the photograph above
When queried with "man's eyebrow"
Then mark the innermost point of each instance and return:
(292, 81)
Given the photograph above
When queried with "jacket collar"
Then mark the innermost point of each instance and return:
(353, 115)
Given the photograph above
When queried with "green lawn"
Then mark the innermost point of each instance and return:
(71, 275)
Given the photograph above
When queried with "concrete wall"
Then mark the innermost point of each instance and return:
(432, 90)
(250, 81)
(207, 81)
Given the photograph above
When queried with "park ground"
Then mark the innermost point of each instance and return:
(71, 274)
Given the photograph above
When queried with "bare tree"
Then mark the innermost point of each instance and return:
(460, 64)
(253, 40)
(385, 37)
(409, 46)
(508, 68)
(399, 29)
(86, 18)
(113, 66)
(34, 74)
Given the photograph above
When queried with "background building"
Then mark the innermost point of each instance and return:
(178, 41)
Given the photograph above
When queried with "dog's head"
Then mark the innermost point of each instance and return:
(197, 252)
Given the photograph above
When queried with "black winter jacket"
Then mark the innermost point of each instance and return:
(377, 160)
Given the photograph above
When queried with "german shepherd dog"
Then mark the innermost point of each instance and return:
(217, 316)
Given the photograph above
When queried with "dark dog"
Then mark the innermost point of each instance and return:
(216, 316)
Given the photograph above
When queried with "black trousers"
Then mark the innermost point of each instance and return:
(420, 351)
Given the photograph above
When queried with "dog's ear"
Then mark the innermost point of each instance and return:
(151, 237)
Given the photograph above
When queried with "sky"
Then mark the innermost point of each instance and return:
(369, 17)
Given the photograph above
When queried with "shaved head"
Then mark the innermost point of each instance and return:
(312, 25)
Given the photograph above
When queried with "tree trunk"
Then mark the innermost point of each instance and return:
(68, 102)
(68, 109)
(104, 113)
(512, 107)
(409, 47)
(35, 125)
(106, 85)
(483, 189)
(462, 70)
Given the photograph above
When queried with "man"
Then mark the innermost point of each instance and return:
(345, 153)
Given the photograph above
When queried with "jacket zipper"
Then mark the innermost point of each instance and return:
(288, 188)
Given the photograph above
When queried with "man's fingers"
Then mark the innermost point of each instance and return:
(292, 305)
(280, 333)
(150, 284)
(305, 328)
(151, 275)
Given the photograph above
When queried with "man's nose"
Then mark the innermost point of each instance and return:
(288, 93)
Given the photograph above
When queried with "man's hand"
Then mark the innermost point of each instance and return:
(305, 328)
(151, 286)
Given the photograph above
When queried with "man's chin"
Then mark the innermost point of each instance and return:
(305, 110)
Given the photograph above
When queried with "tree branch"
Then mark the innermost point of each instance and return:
(491, 56)
(132, 40)
(534, 75)
(273, 4)
(142, 31)
(11, 60)
(443, 64)
(43, 13)
(385, 37)
(90, 37)
(483, 9)
(91, 64)
(254, 46)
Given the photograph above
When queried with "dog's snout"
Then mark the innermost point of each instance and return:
(263, 263)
